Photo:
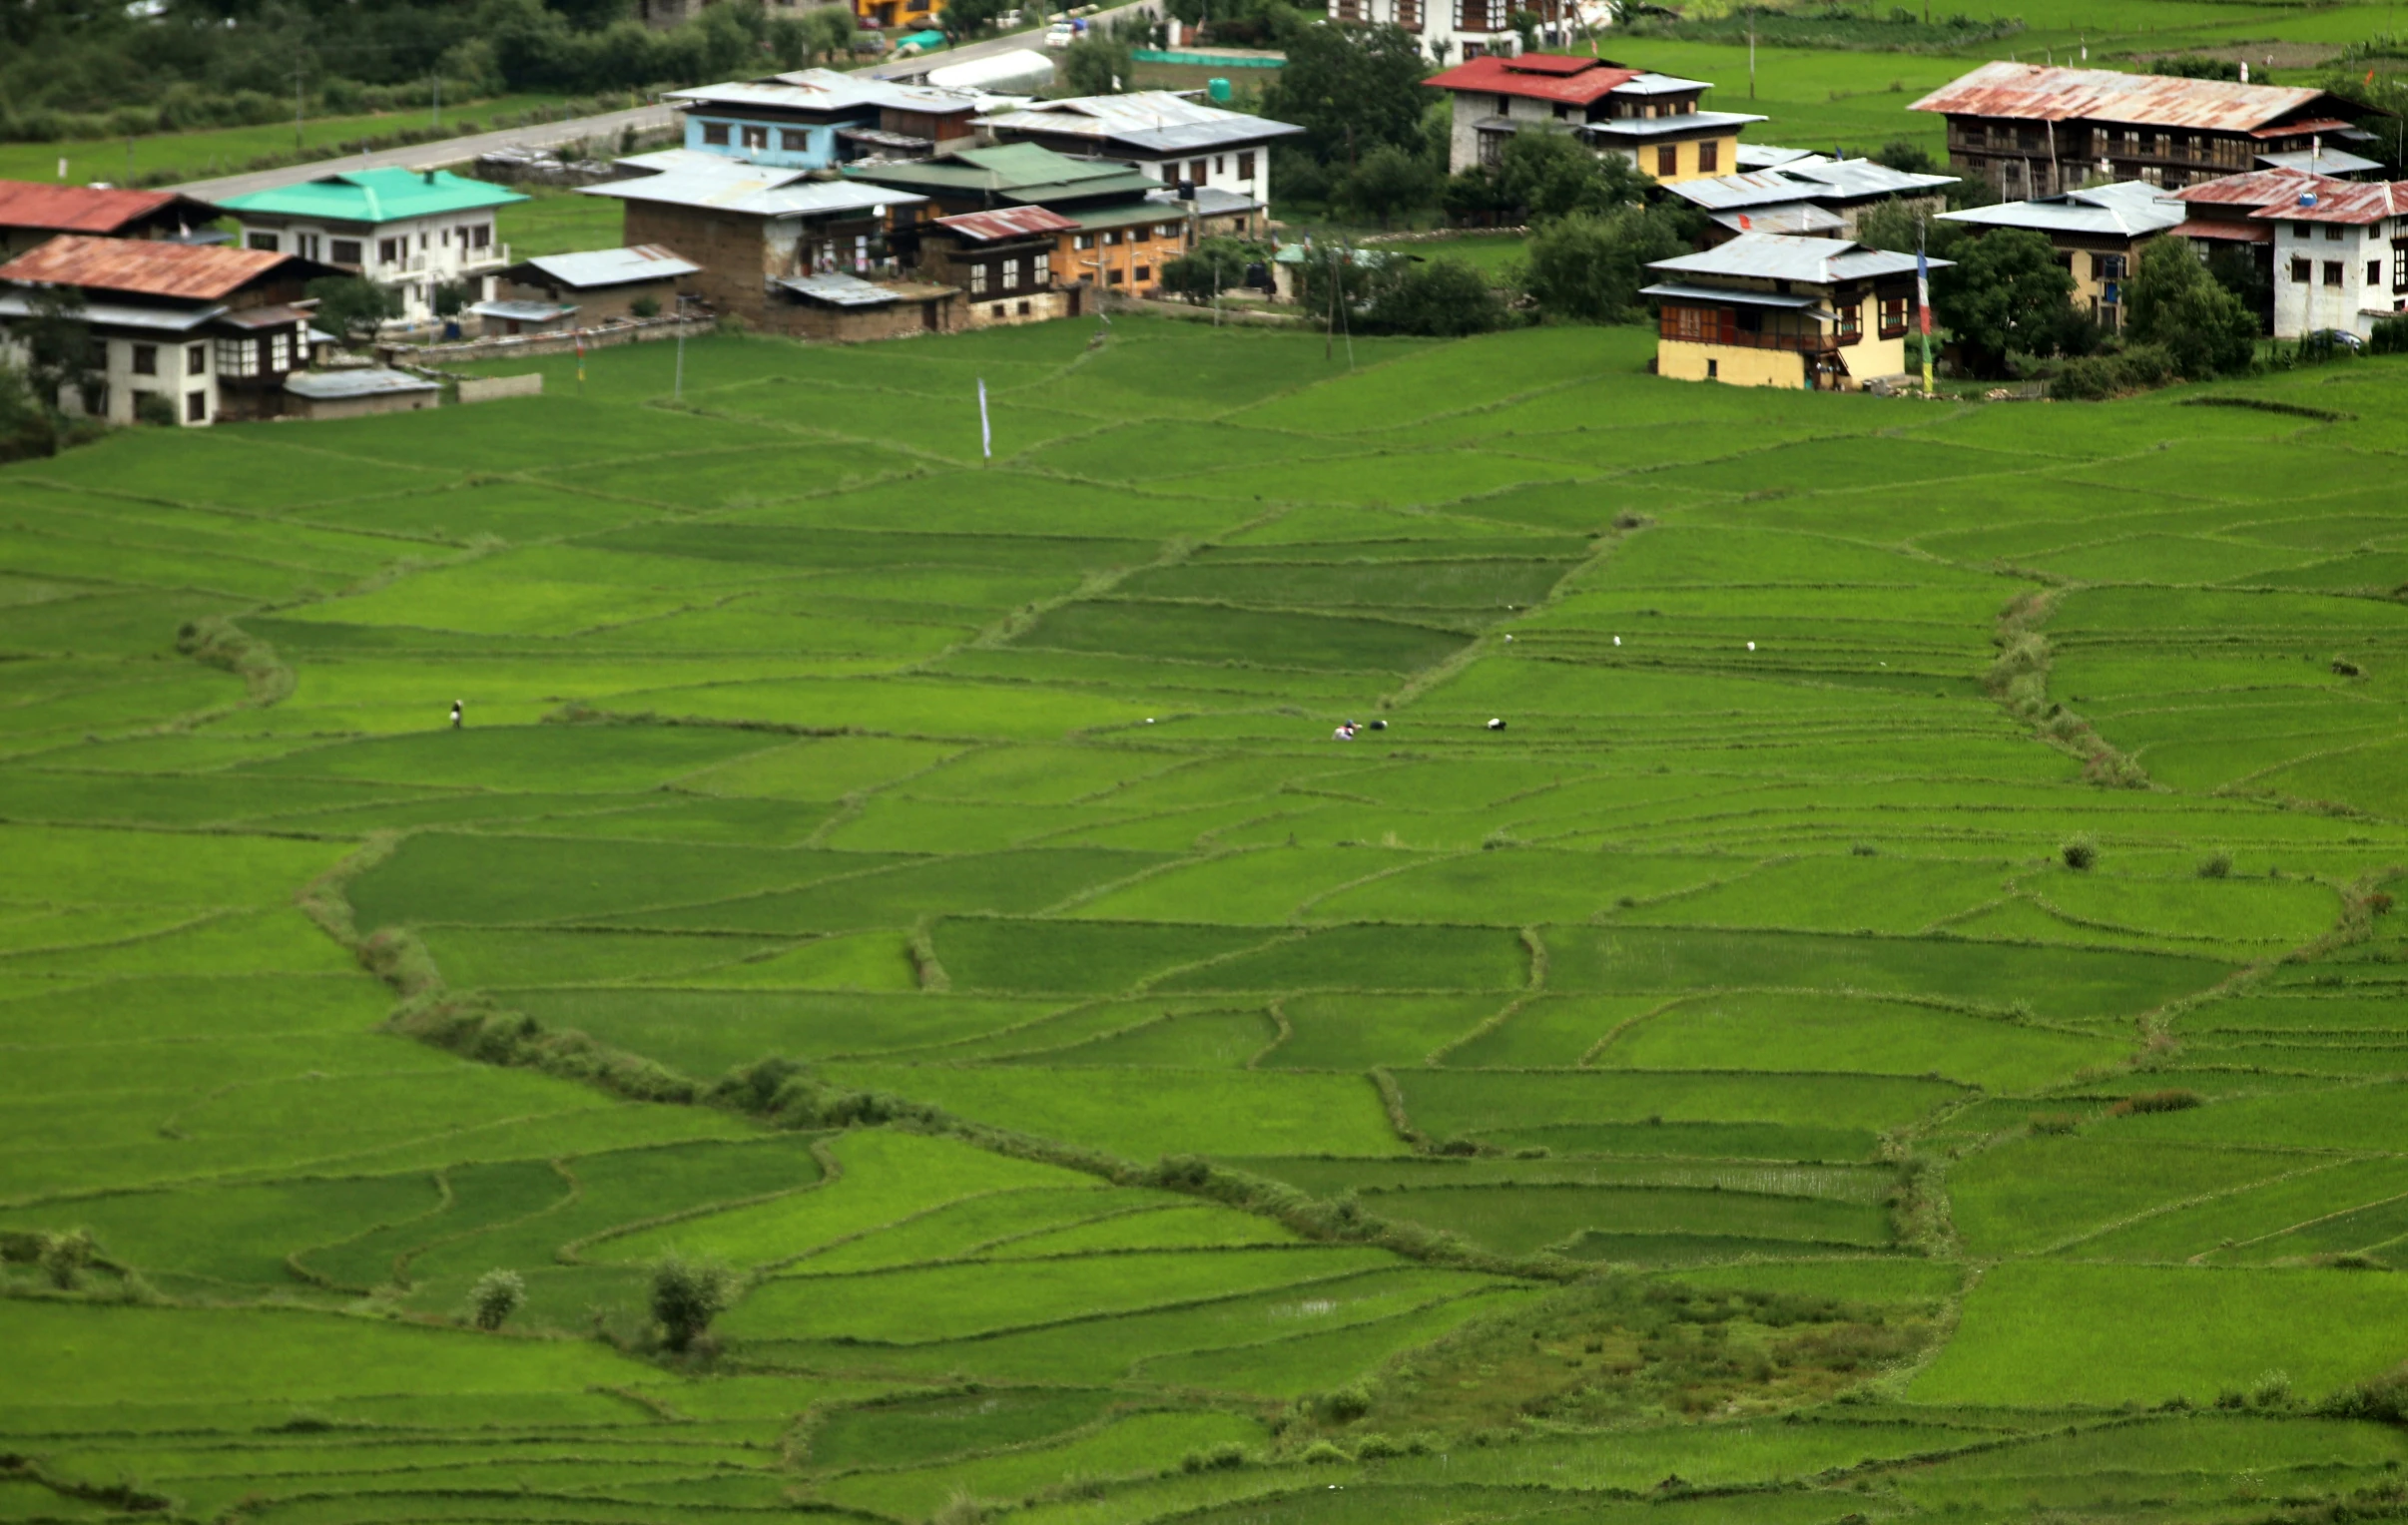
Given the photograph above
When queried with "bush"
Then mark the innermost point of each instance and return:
(1437, 298)
(2054, 1122)
(2216, 865)
(65, 1258)
(1588, 266)
(2390, 337)
(644, 306)
(156, 409)
(2384, 1397)
(495, 1296)
(1227, 1456)
(2172, 301)
(2145, 1102)
(2080, 855)
(687, 1296)
(1322, 1453)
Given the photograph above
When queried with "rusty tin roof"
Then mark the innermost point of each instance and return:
(199, 272)
(2037, 93)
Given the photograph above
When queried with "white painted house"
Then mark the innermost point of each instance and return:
(410, 231)
(2341, 256)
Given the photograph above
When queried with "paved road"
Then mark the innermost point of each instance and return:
(458, 150)
(441, 154)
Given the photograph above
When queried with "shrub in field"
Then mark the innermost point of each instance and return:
(2080, 855)
(2390, 337)
(2384, 1397)
(2216, 865)
(2054, 1122)
(2157, 1101)
(687, 1296)
(497, 1295)
(65, 1258)
(1224, 1457)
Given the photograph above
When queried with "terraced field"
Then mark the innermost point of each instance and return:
(929, 886)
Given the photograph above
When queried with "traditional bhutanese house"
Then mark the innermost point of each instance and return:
(212, 330)
(1650, 119)
(753, 232)
(1844, 188)
(2221, 214)
(1002, 261)
(32, 213)
(1799, 220)
(2335, 250)
(2097, 233)
(1161, 131)
(2030, 131)
(599, 285)
(812, 118)
(1768, 310)
(1465, 29)
(410, 231)
(1122, 236)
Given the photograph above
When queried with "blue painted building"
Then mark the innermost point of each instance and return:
(814, 118)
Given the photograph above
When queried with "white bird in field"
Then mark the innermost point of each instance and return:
(1617, 640)
(1751, 645)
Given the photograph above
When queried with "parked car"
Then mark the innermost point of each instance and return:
(2333, 338)
(1062, 34)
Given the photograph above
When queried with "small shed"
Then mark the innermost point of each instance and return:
(514, 317)
(600, 283)
(352, 393)
(846, 308)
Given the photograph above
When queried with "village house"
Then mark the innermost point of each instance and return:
(783, 251)
(1002, 261)
(597, 285)
(1459, 29)
(1123, 228)
(213, 332)
(1652, 120)
(1776, 200)
(412, 231)
(32, 213)
(1161, 131)
(2030, 131)
(2221, 214)
(2097, 233)
(1769, 310)
(813, 119)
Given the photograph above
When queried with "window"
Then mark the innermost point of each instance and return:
(794, 140)
(1409, 15)
(1852, 322)
(2110, 267)
(1144, 272)
(756, 137)
(1041, 271)
(196, 359)
(1195, 171)
(2332, 272)
(1893, 316)
(2303, 230)
(443, 236)
(2299, 271)
(146, 359)
(279, 351)
(391, 251)
(1246, 166)
(1012, 274)
(1709, 158)
(1220, 164)
(1111, 277)
(715, 134)
(2399, 268)
(1112, 238)
(482, 235)
(238, 357)
(1170, 171)
(1667, 161)
(347, 250)
(2332, 233)
(978, 280)
(1713, 370)
(1024, 310)
(263, 241)
(305, 244)
(1505, 106)
(2374, 273)
(1166, 230)
(1087, 241)
(998, 310)
(196, 407)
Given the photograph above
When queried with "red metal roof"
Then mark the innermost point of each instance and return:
(1007, 223)
(2230, 233)
(196, 271)
(81, 209)
(2293, 129)
(2036, 93)
(1550, 63)
(2256, 188)
(1502, 76)
(2340, 200)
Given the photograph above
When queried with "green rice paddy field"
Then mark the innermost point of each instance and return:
(931, 887)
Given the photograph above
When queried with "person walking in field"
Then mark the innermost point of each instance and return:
(456, 714)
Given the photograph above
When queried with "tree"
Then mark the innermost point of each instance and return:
(1351, 89)
(2007, 293)
(26, 428)
(1389, 179)
(1442, 299)
(353, 307)
(1216, 264)
(960, 18)
(495, 1296)
(1096, 66)
(1587, 268)
(58, 347)
(687, 1296)
(2172, 300)
(1907, 158)
(1552, 174)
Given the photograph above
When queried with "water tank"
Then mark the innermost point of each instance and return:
(1218, 89)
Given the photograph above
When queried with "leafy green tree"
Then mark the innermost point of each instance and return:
(1351, 89)
(1442, 299)
(2172, 300)
(687, 1296)
(1389, 179)
(58, 346)
(1096, 65)
(1216, 264)
(26, 429)
(960, 18)
(2007, 293)
(1587, 268)
(1552, 174)
(1476, 195)
(495, 1296)
(1906, 157)
(353, 307)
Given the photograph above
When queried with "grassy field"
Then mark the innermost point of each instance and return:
(928, 884)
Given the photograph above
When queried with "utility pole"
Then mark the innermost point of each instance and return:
(1329, 329)
(438, 99)
(1752, 51)
(297, 102)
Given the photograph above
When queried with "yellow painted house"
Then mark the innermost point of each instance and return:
(1652, 120)
(1772, 309)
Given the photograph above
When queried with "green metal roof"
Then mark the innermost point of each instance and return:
(1008, 168)
(375, 196)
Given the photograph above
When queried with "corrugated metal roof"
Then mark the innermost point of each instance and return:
(2324, 161)
(752, 191)
(1006, 166)
(363, 382)
(84, 209)
(117, 314)
(377, 196)
(1665, 127)
(1158, 121)
(253, 319)
(525, 312)
(2259, 187)
(2032, 92)
(145, 267)
(1812, 179)
(1779, 257)
(1497, 76)
(1681, 291)
(2232, 233)
(614, 267)
(1802, 219)
(2129, 209)
(821, 91)
(1211, 201)
(839, 290)
(1765, 156)
(1007, 223)
(2341, 201)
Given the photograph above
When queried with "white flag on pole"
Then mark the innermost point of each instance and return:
(986, 435)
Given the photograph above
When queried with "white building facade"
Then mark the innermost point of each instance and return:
(412, 231)
(2340, 257)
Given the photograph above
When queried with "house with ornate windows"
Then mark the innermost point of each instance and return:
(1004, 260)
(1774, 309)
(214, 333)
(33, 213)
(1123, 227)
(412, 231)
(1653, 120)
(1460, 30)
